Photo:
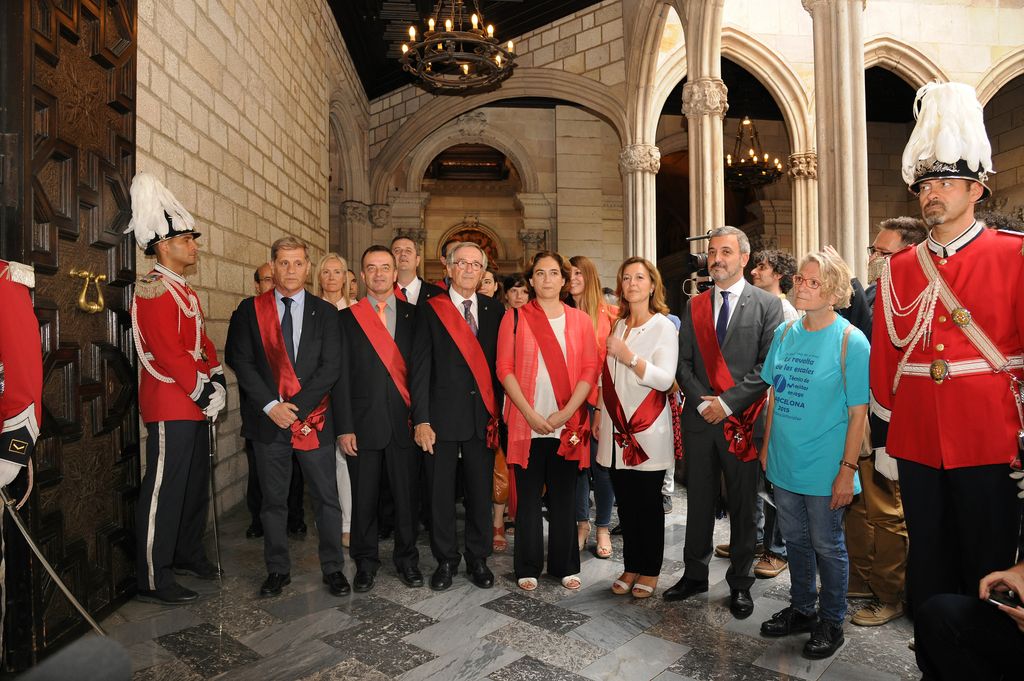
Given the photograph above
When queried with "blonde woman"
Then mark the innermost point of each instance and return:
(332, 286)
(585, 291)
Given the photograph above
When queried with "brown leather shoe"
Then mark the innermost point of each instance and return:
(769, 565)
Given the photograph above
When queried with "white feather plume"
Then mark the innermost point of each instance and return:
(950, 126)
(150, 200)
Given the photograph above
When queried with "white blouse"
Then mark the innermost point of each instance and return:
(657, 343)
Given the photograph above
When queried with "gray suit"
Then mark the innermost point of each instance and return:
(756, 316)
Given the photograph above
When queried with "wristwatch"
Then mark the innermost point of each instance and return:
(632, 362)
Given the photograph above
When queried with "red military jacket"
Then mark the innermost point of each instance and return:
(965, 420)
(21, 378)
(179, 362)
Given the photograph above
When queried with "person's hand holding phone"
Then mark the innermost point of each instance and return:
(1002, 589)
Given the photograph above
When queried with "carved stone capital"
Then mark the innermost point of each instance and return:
(533, 239)
(380, 215)
(705, 96)
(804, 166)
(355, 211)
(811, 5)
(414, 234)
(640, 158)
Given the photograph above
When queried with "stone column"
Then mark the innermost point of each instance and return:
(355, 230)
(803, 176)
(407, 218)
(841, 127)
(537, 222)
(533, 240)
(705, 101)
(639, 165)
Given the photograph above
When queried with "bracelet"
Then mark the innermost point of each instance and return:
(633, 362)
(851, 466)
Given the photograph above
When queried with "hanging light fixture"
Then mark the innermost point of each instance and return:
(749, 165)
(464, 58)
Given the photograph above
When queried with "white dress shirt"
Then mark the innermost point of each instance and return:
(734, 298)
(412, 290)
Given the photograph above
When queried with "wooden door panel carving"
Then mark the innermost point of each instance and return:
(71, 108)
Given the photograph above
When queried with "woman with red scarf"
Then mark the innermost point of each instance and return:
(635, 438)
(547, 362)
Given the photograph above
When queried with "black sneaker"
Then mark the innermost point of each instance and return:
(826, 638)
(788, 621)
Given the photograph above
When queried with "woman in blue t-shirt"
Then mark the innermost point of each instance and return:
(818, 370)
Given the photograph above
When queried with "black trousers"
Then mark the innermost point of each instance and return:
(642, 517)
(963, 523)
(274, 462)
(477, 472)
(254, 497)
(963, 637)
(546, 467)
(170, 516)
(400, 466)
(708, 458)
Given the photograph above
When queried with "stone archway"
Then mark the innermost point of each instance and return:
(1005, 70)
(905, 61)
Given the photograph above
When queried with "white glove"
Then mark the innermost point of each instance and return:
(8, 472)
(1019, 477)
(218, 400)
(886, 465)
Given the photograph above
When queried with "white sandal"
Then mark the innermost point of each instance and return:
(568, 581)
(527, 583)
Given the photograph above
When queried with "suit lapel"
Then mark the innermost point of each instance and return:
(403, 324)
(309, 322)
(737, 316)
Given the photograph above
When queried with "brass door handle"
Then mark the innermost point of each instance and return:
(84, 304)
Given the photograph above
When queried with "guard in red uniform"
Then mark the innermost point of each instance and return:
(946, 355)
(181, 386)
(21, 371)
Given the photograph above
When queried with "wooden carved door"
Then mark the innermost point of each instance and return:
(67, 156)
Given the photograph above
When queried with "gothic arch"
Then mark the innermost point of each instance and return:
(648, 29)
(347, 134)
(1001, 73)
(589, 94)
(482, 235)
(453, 133)
(905, 61)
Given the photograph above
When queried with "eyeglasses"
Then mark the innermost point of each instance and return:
(872, 251)
(813, 284)
(474, 265)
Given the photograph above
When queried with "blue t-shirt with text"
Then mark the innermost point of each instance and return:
(808, 432)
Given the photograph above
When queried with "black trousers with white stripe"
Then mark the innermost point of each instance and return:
(170, 516)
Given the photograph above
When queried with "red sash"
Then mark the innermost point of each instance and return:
(739, 431)
(442, 284)
(642, 419)
(384, 345)
(455, 324)
(304, 433)
(575, 444)
(399, 294)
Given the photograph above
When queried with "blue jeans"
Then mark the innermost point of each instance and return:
(767, 517)
(815, 542)
(604, 496)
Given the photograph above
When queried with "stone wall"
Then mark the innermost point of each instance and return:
(1004, 120)
(888, 195)
(233, 101)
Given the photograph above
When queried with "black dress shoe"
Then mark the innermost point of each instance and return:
(683, 589)
(363, 581)
(254, 531)
(481, 575)
(442, 577)
(741, 604)
(788, 621)
(826, 638)
(617, 530)
(297, 530)
(274, 583)
(337, 584)
(411, 576)
(203, 570)
(173, 594)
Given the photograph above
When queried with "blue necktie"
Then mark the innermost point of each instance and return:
(288, 329)
(723, 319)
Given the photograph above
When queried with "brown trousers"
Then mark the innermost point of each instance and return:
(876, 536)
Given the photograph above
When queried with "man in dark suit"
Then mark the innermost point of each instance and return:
(285, 349)
(723, 340)
(407, 259)
(371, 416)
(455, 402)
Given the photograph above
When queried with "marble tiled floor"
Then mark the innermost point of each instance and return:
(502, 634)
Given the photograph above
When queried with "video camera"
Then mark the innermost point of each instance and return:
(697, 278)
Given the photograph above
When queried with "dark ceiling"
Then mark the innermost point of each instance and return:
(374, 30)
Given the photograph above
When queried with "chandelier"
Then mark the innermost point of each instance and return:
(749, 165)
(463, 58)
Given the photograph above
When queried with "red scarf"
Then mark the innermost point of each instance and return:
(455, 324)
(304, 433)
(739, 431)
(575, 444)
(642, 419)
(384, 345)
